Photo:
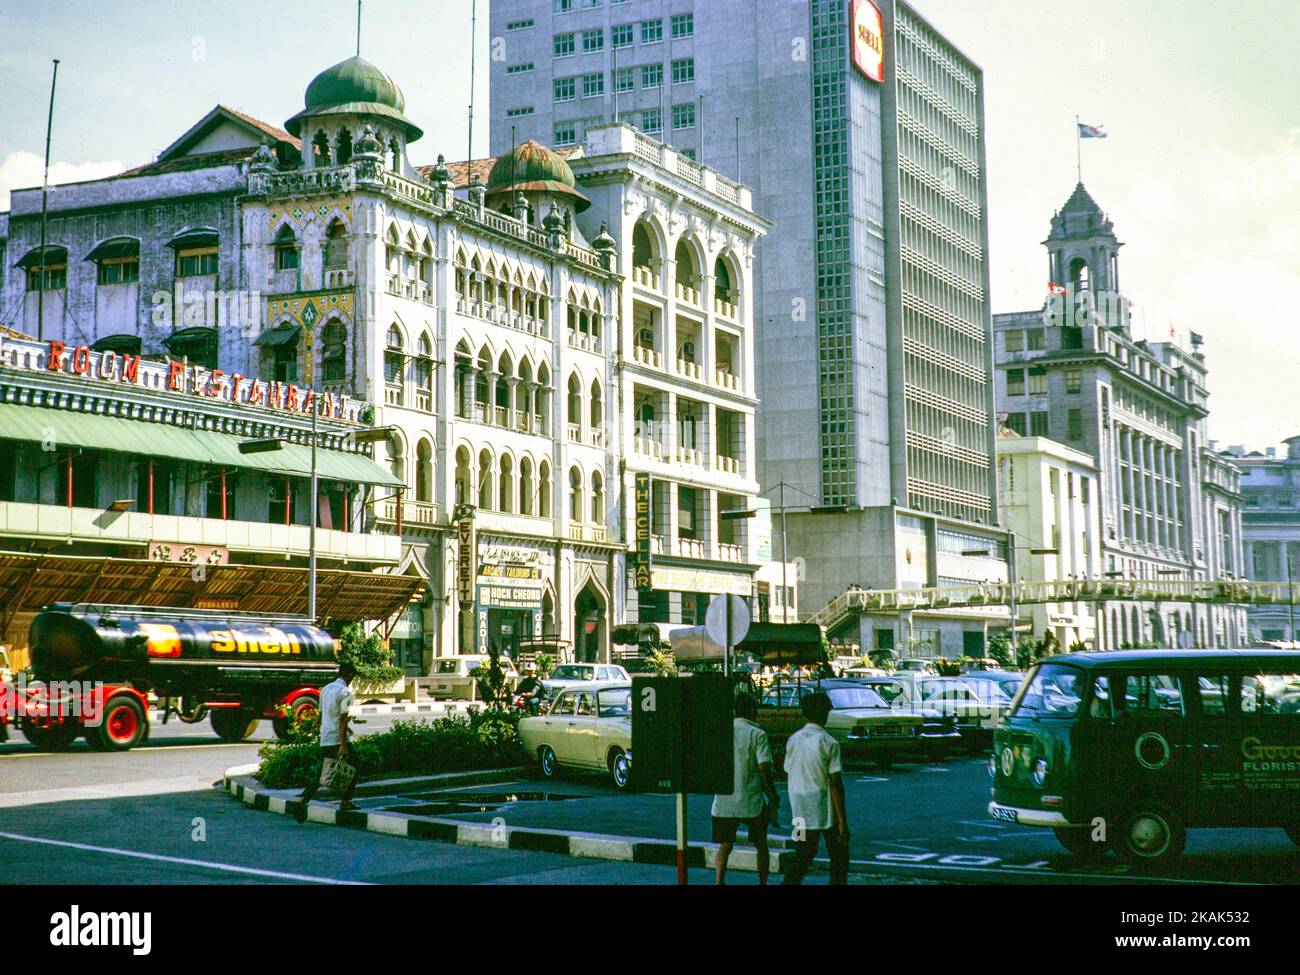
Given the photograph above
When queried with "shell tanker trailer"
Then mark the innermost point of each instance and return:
(96, 666)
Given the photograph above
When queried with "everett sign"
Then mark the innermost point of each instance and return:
(465, 536)
(867, 39)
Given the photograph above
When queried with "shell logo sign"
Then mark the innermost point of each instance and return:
(867, 39)
(163, 640)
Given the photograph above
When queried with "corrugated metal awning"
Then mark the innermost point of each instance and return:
(115, 247)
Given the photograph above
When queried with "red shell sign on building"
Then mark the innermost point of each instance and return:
(867, 39)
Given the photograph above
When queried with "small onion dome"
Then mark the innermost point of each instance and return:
(354, 87)
(263, 159)
(532, 168)
(603, 241)
(441, 174)
(553, 223)
(368, 145)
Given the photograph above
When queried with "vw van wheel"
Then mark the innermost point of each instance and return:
(1080, 842)
(122, 726)
(1293, 834)
(233, 725)
(620, 769)
(547, 757)
(1150, 835)
(56, 738)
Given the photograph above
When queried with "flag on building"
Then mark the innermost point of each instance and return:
(1055, 289)
(1090, 131)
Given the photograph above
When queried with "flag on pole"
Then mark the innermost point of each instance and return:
(1055, 289)
(1090, 131)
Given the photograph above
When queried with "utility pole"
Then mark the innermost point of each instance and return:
(1290, 594)
(785, 585)
(1011, 591)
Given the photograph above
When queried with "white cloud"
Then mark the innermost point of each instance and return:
(23, 169)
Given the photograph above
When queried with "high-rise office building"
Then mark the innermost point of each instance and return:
(861, 130)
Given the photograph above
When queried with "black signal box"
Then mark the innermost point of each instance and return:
(682, 734)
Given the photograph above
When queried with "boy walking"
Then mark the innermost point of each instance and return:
(335, 699)
(753, 799)
(816, 786)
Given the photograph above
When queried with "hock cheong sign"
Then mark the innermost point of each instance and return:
(867, 39)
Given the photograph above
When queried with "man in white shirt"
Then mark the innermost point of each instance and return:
(753, 799)
(816, 787)
(335, 699)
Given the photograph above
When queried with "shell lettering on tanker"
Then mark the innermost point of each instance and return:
(163, 640)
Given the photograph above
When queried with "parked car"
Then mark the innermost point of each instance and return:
(452, 676)
(570, 675)
(950, 696)
(916, 665)
(857, 673)
(994, 685)
(588, 726)
(863, 724)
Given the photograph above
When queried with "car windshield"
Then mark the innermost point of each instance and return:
(1000, 692)
(855, 697)
(890, 691)
(1054, 690)
(945, 690)
(573, 672)
(615, 704)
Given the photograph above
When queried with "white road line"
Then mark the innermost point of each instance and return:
(114, 790)
(160, 858)
(1029, 872)
(82, 753)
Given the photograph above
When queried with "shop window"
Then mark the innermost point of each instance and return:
(194, 263)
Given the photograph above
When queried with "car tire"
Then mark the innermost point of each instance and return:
(56, 738)
(1079, 841)
(1293, 834)
(122, 726)
(620, 769)
(1150, 835)
(300, 707)
(549, 763)
(232, 724)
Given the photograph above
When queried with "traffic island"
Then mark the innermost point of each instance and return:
(241, 784)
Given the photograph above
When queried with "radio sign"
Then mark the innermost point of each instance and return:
(644, 516)
(867, 39)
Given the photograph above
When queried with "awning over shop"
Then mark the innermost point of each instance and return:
(52, 254)
(31, 581)
(188, 338)
(280, 335)
(783, 643)
(194, 239)
(115, 247)
(115, 433)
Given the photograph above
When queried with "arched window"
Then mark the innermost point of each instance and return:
(424, 373)
(336, 245)
(686, 271)
(597, 498)
(395, 156)
(506, 493)
(393, 357)
(1079, 276)
(464, 490)
(286, 249)
(643, 251)
(397, 458)
(343, 150)
(334, 343)
(722, 280)
(575, 401)
(485, 493)
(544, 489)
(525, 486)
(576, 512)
(424, 472)
(320, 148)
(597, 411)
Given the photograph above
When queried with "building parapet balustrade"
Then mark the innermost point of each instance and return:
(692, 548)
(574, 433)
(415, 513)
(689, 295)
(647, 447)
(305, 182)
(691, 370)
(645, 276)
(728, 465)
(647, 357)
(689, 455)
(726, 309)
(584, 340)
(727, 380)
(596, 437)
(729, 552)
(657, 545)
(588, 533)
(394, 395)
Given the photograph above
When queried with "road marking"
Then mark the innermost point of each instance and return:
(184, 861)
(114, 790)
(83, 752)
(1035, 869)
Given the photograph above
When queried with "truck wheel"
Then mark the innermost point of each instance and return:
(1080, 842)
(233, 725)
(56, 738)
(122, 727)
(298, 710)
(620, 769)
(1150, 835)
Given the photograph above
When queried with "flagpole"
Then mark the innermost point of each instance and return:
(1078, 149)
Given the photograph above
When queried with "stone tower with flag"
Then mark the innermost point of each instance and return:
(1083, 257)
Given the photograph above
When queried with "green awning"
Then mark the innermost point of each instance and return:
(115, 247)
(53, 254)
(115, 433)
(194, 239)
(120, 342)
(280, 335)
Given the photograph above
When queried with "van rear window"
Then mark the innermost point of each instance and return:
(1054, 691)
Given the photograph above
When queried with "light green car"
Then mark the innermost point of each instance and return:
(587, 727)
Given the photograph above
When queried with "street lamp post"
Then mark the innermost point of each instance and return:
(1290, 595)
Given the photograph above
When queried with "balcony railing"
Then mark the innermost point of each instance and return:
(647, 447)
(584, 340)
(728, 552)
(424, 400)
(689, 455)
(422, 513)
(596, 437)
(728, 465)
(727, 380)
(500, 416)
(692, 548)
(588, 533)
(691, 370)
(647, 357)
(724, 308)
(645, 276)
(393, 395)
(688, 294)
(575, 433)
(657, 544)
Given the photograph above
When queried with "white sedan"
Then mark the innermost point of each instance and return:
(571, 675)
(588, 727)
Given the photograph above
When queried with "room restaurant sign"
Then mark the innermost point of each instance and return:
(173, 376)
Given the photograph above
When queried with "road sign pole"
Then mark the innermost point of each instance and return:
(681, 839)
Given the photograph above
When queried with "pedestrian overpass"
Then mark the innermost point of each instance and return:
(984, 594)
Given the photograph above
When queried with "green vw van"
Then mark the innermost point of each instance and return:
(1125, 750)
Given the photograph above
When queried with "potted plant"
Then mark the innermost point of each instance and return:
(376, 675)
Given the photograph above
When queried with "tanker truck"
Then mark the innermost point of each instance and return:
(96, 666)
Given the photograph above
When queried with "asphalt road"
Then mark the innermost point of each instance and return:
(152, 815)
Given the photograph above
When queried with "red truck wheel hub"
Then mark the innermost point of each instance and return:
(123, 723)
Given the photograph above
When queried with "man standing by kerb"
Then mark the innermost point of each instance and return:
(816, 787)
(753, 799)
(335, 699)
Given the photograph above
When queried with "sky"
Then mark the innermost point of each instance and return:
(1200, 171)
